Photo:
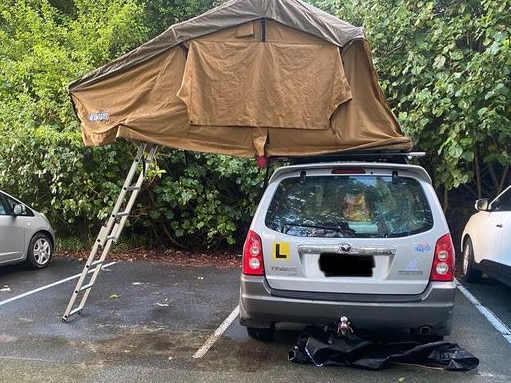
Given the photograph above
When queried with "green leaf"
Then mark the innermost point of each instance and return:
(439, 62)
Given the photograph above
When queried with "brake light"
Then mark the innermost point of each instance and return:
(443, 261)
(253, 255)
(348, 171)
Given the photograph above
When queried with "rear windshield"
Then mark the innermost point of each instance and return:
(349, 206)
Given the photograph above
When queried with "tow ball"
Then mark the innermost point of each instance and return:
(344, 326)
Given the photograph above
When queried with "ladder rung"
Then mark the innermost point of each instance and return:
(122, 214)
(74, 311)
(133, 187)
(95, 263)
(85, 287)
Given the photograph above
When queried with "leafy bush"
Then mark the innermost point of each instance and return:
(200, 200)
(74, 186)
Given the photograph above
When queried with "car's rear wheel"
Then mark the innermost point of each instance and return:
(470, 271)
(40, 251)
(262, 334)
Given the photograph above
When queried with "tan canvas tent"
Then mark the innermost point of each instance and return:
(248, 78)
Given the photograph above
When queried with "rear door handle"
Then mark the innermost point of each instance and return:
(499, 225)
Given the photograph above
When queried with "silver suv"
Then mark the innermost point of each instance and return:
(365, 240)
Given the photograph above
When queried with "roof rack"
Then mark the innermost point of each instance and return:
(385, 156)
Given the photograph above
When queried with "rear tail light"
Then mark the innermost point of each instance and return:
(443, 261)
(253, 255)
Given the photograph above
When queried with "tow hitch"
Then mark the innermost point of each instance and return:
(344, 327)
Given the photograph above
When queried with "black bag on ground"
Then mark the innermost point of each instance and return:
(327, 348)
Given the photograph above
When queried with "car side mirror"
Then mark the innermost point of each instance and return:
(18, 209)
(482, 204)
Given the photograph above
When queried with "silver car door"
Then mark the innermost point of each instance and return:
(12, 236)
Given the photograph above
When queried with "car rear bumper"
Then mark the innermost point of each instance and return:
(431, 310)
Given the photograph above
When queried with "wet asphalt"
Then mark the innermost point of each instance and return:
(147, 322)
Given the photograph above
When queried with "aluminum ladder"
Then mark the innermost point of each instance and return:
(109, 233)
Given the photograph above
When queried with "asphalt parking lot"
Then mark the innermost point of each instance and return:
(160, 323)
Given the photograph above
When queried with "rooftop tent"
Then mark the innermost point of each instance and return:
(248, 78)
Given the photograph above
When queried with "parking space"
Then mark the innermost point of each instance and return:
(159, 323)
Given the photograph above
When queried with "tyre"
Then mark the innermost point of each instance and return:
(40, 251)
(470, 271)
(262, 334)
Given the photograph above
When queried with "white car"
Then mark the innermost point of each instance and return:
(486, 240)
(25, 234)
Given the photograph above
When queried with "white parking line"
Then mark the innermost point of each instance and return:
(47, 286)
(492, 318)
(217, 334)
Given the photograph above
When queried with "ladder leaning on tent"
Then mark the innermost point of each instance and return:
(109, 233)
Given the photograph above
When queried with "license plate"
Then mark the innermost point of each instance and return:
(342, 265)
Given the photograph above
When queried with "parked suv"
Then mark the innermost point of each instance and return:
(486, 242)
(365, 240)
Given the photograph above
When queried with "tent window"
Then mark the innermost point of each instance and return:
(245, 30)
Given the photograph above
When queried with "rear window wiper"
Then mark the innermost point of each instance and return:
(342, 227)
